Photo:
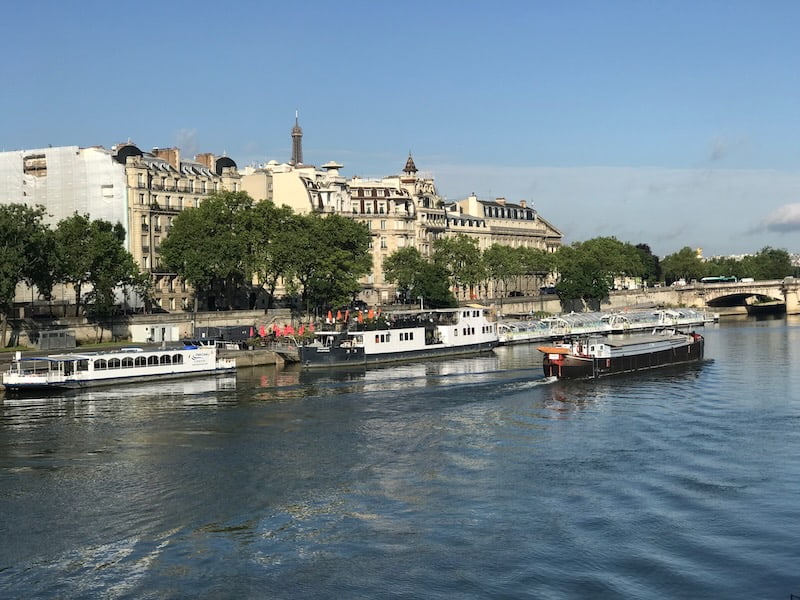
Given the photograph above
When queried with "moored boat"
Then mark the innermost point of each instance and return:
(407, 335)
(599, 356)
(126, 365)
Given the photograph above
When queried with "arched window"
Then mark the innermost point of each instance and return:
(100, 364)
(165, 359)
(114, 363)
(127, 363)
(177, 359)
(141, 361)
(152, 361)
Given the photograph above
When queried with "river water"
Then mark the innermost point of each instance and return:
(464, 478)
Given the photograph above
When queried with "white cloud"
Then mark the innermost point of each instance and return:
(783, 219)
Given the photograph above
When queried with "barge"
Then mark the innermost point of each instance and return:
(596, 356)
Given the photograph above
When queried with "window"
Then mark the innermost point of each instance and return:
(383, 243)
(141, 198)
(383, 224)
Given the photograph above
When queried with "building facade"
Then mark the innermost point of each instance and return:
(143, 191)
(400, 211)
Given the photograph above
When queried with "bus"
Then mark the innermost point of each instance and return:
(719, 279)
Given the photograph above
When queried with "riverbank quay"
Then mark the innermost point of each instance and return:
(169, 327)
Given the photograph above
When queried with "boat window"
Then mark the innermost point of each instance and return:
(100, 364)
(177, 359)
(83, 365)
(114, 363)
(166, 359)
(141, 361)
(127, 363)
(152, 360)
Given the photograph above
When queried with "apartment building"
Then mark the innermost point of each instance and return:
(143, 191)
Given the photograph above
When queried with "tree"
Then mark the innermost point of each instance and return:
(503, 264)
(461, 257)
(269, 230)
(684, 264)
(433, 287)
(650, 262)
(771, 263)
(208, 247)
(329, 256)
(25, 254)
(92, 253)
(403, 268)
(587, 269)
(536, 263)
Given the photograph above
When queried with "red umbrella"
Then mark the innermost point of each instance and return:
(371, 314)
(360, 317)
(338, 315)
(330, 317)
(262, 331)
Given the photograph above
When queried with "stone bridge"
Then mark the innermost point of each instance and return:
(716, 295)
(722, 298)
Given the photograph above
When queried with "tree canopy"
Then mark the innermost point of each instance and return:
(461, 257)
(25, 254)
(417, 277)
(684, 264)
(587, 269)
(208, 247)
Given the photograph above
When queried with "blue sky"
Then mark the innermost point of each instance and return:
(672, 123)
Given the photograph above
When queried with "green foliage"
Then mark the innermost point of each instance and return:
(329, 254)
(208, 247)
(587, 269)
(768, 263)
(417, 277)
(92, 253)
(503, 264)
(402, 268)
(25, 254)
(269, 231)
(650, 264)
(684, 264)
(461, 257)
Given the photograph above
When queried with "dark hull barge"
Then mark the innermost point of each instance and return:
(594, 357)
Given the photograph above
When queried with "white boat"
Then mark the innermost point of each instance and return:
(407, 335)
(127, 365)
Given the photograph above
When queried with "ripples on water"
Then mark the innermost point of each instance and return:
(461, 478)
